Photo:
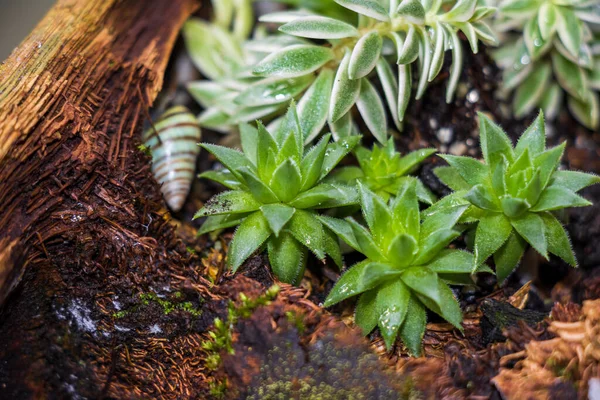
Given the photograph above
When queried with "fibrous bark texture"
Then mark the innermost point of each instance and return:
(81, 219)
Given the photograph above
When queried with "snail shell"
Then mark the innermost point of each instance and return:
(173, 142)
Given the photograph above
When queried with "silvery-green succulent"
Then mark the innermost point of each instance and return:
(329, 65)
(383, 170)
(551, 48)
(512, 195)
(407, 268)
(275, 189)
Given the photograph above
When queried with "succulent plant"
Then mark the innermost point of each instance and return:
(334, 73)
(551, 47)
(512, 195)
(407, 267)
(275, 188)
(383, 170)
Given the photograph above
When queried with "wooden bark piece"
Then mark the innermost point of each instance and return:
(82, 221)
(72, 98)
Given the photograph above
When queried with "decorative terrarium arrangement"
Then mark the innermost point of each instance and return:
(360, 199)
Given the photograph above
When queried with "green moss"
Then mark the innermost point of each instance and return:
(169, 306)
(297, 320)
(120, 314)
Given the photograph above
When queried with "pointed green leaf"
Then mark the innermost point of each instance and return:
(277, 215)
(308, 230)
(249, 236)
(231, 159)
(431, 246)
(472, 171)
(555, 198)
(259, 190)
(230, 202)
(332, 246)
(573, 180)
(343, 127)
(444, 218)
(273, 91)
(480, 196)
(392, 305)
(448, 308)
(534, 138)
(216, 222)
(508, 256)
(294, 61)
(345, 91)
(336, 151)
(492, 231)
(452, 262)
(424, 281)
(405, 208)
(286, 180)
(371, 109)
(312, 163)
(249, 139)
(341, 228)
(313, 107)
(514, 207)
(451, 178)
(366, 314)
(287, 258)
(413, 327)
(402, 250)
(558, 239)
(547, 163)
(364, 239)
(375, 212)
(365, 55)
(317, 27)
(355, 280)
(531, 228)
(494, 142)
(425, 54)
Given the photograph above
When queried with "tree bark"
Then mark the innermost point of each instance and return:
(82, 222)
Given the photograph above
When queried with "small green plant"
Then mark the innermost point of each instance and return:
(383, 170)
(275, 189)
(512, 195)
(551, 46)
(407, 269)
(334, 73)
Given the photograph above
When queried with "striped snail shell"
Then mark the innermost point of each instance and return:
(172, 141)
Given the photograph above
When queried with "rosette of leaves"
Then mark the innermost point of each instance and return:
(275, 189)
(407, 268)
(383, 170)
(512, 195)
(551, 49)
(329, 64)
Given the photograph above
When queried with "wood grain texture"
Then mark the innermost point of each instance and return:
(72, 97)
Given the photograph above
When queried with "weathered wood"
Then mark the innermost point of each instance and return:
(82, 221)
(72, 96)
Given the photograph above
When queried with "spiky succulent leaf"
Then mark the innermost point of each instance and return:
(383, 170)
(278, 186)
(512, 193)
(406, 265)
